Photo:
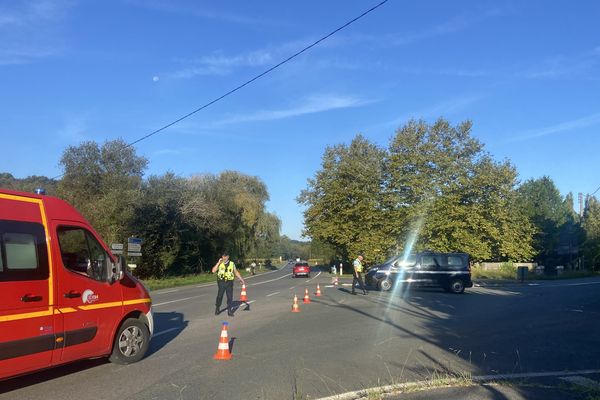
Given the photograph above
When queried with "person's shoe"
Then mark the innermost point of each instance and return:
(217, 311)
(354, 293)
(365, 293)
(230, 313)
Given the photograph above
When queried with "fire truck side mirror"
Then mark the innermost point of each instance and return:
(117, 269)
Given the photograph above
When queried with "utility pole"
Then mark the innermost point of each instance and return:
(580, 204)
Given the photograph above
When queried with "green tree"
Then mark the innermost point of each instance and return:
(104, 183)
(159, 221)
(450, 195)
(28, 184)
(232, 207)
(266, 236)
(591, 227)
(186, 223)
(435, 188)
(291, 249)
(345, 205)
(543, 204)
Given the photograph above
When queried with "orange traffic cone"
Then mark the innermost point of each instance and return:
(295, 307)
(243, 296)
(223, 352)
(318, 294)
(306, 297)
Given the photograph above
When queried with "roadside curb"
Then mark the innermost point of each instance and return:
(398, 388)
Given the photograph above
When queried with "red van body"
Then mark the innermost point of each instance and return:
(63, 295)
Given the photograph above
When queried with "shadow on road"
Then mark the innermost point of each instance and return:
(485, 331)
(341, 289)
(167, 326)
(49, 374)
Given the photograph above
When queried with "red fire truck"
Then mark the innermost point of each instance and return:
(63, 295)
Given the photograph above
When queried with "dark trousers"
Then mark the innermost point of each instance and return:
(357, 277)
(224, 287)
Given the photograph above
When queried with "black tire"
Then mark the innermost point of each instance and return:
(456, 286)
(385, 284)
(131, 342)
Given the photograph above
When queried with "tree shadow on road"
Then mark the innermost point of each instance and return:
(483, 331)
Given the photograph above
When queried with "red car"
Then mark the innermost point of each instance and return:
(65, 297)
(301, 268)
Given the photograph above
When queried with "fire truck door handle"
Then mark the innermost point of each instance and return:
(72, 295)
(29, 298)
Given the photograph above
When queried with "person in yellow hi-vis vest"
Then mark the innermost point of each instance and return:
(357, 276)
(226, 272)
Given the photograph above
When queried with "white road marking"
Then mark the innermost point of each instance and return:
(346, 284)
(265, 273)
(314, 277)
(165, 331)
(386, 340)
(250, 302)
(533, 284)
(272, 294)
(168, 291)
(174, 301)
(582, 284)
(328, 286)
(206, 284)
(582, 381)
(576, 310)
(212, 283)
(271, 280)
(572, 284)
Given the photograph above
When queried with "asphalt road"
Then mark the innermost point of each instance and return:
(339, 342)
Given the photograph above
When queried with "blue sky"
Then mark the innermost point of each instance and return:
(527, 73)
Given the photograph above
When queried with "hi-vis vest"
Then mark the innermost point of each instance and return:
(225, 272)
(358, 265)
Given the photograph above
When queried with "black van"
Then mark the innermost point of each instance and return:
(451, 271)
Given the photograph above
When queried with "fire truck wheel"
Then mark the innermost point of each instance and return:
(131, 342)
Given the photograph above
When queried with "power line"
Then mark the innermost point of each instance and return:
(595, 191)
(252, 79)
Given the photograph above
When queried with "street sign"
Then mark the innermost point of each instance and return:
(134, 245)
(132, 266)
(116, 248)
(134, 254)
